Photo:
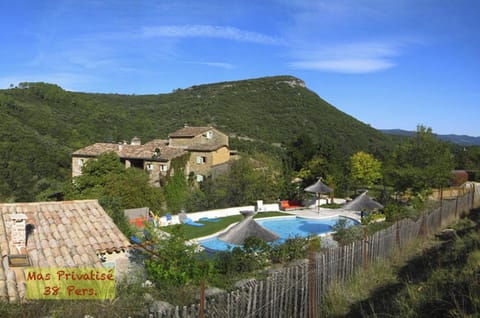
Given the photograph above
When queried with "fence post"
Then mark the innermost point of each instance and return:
(397, 236)
(364, 248)
(473, 196)
(312, 288)
(456, 208)
(201, 314)
(423, 231)
(441, 206)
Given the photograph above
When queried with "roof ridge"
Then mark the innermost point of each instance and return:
(49, 202)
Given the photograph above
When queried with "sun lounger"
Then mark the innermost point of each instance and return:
(135, 240)
(286, 205)
(209, 220)
(189, 221)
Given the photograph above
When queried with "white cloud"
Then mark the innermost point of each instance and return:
(345, 65)
(217, 64)
(209, 31)
(362, 57)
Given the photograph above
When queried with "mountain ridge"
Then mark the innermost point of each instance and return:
(463, 140)
(42, 124)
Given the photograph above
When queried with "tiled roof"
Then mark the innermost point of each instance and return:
(96, 149)
(189, 132)
(66, 234)
(145, 151)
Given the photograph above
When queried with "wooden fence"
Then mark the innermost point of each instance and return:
(294, 291)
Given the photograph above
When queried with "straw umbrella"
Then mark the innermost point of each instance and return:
(246, 228)
(363, 203)
(319, 188)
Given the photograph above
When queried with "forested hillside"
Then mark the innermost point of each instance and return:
(455, 139)
(42, 124)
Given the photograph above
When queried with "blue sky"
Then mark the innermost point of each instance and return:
(388, 63)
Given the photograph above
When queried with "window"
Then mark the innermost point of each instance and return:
(209, 134)
(163, 168)
(81, 162)
(201, 160)
(199, 178)
(149, 167)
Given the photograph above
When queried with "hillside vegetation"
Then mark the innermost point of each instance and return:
(455, 139)
(42, 124)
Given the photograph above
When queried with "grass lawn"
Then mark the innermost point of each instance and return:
(210, 228)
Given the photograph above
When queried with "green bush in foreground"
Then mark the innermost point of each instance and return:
(176, 263)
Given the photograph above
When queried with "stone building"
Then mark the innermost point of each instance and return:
(207, 150)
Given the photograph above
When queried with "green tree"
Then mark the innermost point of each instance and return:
(316, 167)
(115, 187)
(420, 163)
(467, 158)
(133, 189)
(177, 191)
(300, 151)
(175, 262)
(365, 170)
(247, 181)
(95, 174)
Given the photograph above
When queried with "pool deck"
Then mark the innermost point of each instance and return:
(325, 213)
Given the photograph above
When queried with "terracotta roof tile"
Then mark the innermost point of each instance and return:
(77, 259)
(60, 261)
(56, 234)
(47, 252)
(65, 220)
(189, 132)
(69, 243)
(53, 244)
(84, 227)
(85, 259)
(66, 234)
(146, 151)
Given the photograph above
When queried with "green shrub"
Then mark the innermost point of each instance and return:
(345, 234)
(293, 248)
(373, 217)
(176, 263)
(254, 255)
(396, 211)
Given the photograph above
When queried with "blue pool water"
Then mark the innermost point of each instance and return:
(285, 228)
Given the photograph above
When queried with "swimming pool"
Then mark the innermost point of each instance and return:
(285, 227)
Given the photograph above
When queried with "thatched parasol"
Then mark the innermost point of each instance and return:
(246, 228)
(319, 188)
(363, 203)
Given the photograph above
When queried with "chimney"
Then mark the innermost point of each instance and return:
(136, 141)
(19, 232)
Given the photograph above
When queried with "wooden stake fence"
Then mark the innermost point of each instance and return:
(295, 291)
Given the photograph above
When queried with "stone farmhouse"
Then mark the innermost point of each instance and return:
(207, 150)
